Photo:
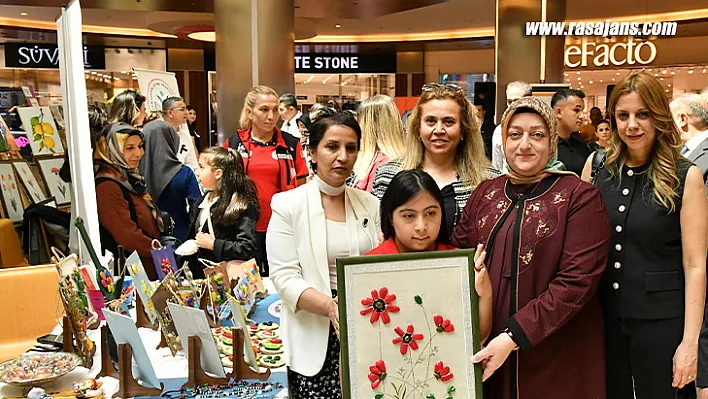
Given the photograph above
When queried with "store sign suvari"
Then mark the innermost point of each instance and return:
(30, 55)
(610, 54)
(345, 63)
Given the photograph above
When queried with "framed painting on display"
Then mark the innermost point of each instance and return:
(34, 190)
(10, 193)
(57, 187)
(41, 130)
(409, 326)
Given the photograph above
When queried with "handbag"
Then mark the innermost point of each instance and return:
(163, 256)
(598, 163)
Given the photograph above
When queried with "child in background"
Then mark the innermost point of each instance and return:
(224, 219)
(412, 219)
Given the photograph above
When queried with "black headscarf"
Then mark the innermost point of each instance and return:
(160, 163)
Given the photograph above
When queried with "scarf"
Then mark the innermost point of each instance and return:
(110, 149)
(553, 166)
(160, 163)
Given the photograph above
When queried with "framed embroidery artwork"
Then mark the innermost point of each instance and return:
(58, 188)
(409, 326)
(10, 193)
(41, 131)
(29, 181)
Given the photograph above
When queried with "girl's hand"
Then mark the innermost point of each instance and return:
(685, 364)
(205, 241)
(482, 283)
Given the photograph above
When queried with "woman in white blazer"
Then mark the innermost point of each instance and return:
(311, 226)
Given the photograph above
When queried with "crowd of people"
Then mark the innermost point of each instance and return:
(591, 239)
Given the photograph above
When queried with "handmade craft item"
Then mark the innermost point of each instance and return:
(37, 369)
(167, 292)
(41, 131)
(10, 193)
(58, 188)
(142, 284)
(103, 276)
(239, 321)
(164, 259)
(4, 130)
(192, 322)
(29, 181)
(256, 286)
(408, 325)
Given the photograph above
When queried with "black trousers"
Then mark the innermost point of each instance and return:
(261, 254)
(639, 355)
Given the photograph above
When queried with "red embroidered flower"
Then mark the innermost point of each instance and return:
(407, 338)
(442, 372)
(55, 170)
(443, 324)
(377, 374)
(380, 305)
(166, 266)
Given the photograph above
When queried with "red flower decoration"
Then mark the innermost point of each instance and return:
(55, 170)
(379, 305)
(166, 266)
(442, 372)
(377, 374)
(407, 338)
(443, 324)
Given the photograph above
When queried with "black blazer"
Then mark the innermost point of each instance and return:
(235, 241)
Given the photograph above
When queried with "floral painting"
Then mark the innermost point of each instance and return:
(10, 193)
(30, 182)
(41, 130)
(408, 326)
(59, 189)
(4, 144)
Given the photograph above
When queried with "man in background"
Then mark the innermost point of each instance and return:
(514, 91)
(174, 110)
(486, 127)
(289, 113)
(568, 105)
(690, 112)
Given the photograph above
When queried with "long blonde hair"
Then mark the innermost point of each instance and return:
(250, 102)
(382, 132)
(470, 159)
(666, 149)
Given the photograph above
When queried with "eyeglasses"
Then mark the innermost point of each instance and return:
(450, 87)
(178, 109)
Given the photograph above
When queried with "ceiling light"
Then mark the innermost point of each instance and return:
(663, 72)
(661, 79)
(656, 74)
(123, 72)
(667, 90)
(579, 78)
(669, 85)
(590, 82)
(93, 72)
(600, 80)
(24, 14)
(613, 79)
(704, 70)
(673, 73)
(649, 70)
(338, 26)
(618, 74)
(116, 78)
(578, 73)
(690, 71)
(99, 74)
(565, 74)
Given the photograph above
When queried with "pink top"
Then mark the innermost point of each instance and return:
(367, 183)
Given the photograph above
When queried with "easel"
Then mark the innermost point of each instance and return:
(142, 319)
(241, 369)
(203, 303)
(107, 369)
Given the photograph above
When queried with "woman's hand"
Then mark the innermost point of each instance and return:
(205, 241)
(334, 314)
(685, 364)
(494, 355)
(482, 283)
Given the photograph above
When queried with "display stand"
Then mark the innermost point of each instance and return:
(142, 319)
(163, 341)
(68, 333)
(240, 371)
(107, 369)
(127, 386)
(203, 302)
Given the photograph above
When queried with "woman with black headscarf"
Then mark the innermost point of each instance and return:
(170, 183)
(126, 213)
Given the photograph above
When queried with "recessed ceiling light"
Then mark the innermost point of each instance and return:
(578, 73)
(590, 82)
(656, 74)
(24, 14)
(663, 72)
(669, 85)
(673, 73)
(99, 74)
(338, 26)
(613, 79)
(667, 90)
(661, 79)
(618, 74)
(600, 80)
(704, 70)
(93, 72)
(690, 71)
(649, 70)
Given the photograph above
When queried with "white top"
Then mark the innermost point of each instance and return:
(205, 212)
(696, 141)
(291, 125)
(498, 157)
(186, 153)
(337, 247)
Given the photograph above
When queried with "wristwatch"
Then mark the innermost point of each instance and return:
(511, 335)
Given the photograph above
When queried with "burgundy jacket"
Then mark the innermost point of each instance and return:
(545, 263)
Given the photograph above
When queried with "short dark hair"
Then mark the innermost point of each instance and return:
(324, 123)
(565, 94)
(404, 187)
(169, 103)
(288, 99)
(601, 122)
(190, 108)
(595, 108)
(483, 105)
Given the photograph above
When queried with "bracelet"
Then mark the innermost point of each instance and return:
(511, 335)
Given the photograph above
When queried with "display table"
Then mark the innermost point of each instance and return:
(172, 371)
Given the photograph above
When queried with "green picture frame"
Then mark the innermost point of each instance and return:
(419, 301)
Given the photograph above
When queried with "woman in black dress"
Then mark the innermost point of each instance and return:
(653, 289)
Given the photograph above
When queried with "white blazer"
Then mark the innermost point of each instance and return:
(297, 257)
